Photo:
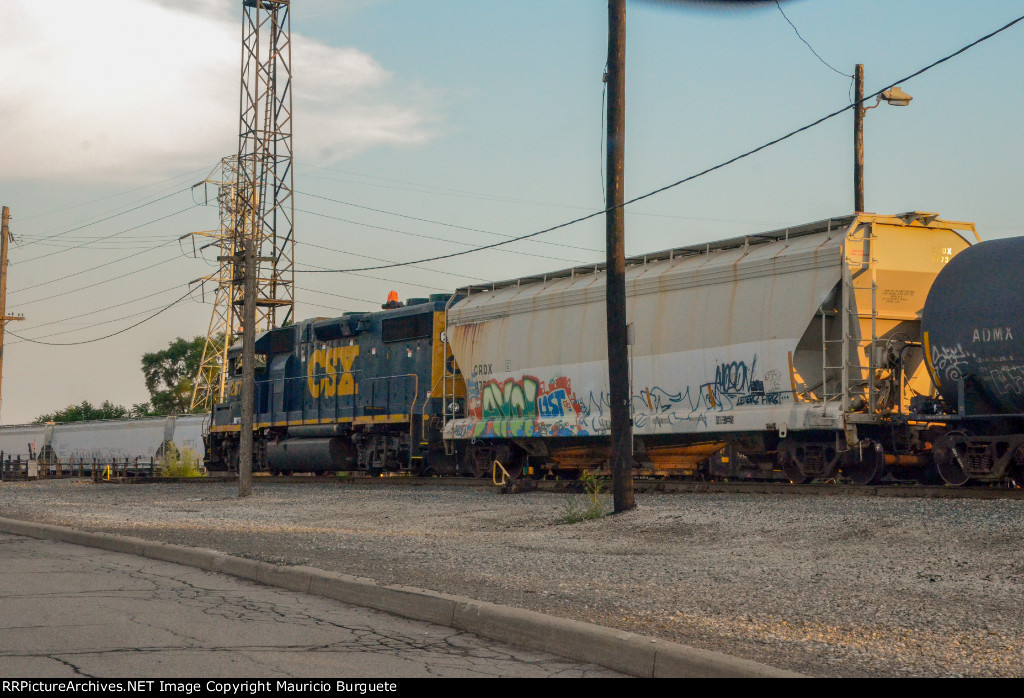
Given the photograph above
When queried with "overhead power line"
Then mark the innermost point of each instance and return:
(103, 220)
(381, 259)
(404, 282)
(99, 323)
(111, 196)
(692, 177)
(90, 313)
(100, 283)
(432, 238)
(335, 295)
(799, 36)
(447, 225)
(114, 334)
(91, 269)
(106, 237)
(507, 199)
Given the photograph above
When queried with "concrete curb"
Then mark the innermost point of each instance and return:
(616, 649)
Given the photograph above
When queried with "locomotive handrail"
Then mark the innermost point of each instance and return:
(423, 419)
(412, 406)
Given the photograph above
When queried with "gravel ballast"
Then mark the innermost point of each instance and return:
(825, 586)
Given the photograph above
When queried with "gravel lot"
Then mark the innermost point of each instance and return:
(827, 586)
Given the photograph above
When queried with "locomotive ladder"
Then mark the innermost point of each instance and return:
(856, 367)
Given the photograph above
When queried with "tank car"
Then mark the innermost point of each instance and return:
(974, 346)
(356, 392)
(789, 354)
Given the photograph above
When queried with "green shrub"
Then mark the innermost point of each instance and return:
(592, 505)
(181, 463)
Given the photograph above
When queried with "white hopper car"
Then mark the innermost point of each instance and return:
(102, 441)
(791, 354)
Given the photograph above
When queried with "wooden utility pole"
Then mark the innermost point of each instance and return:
(858, 139)
(245, 455)
(5, 236)
(615, 276)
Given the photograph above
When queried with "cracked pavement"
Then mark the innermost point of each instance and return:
(71, 611)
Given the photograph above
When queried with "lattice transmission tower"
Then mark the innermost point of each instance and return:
(211, 379)
(255, 196)
(264, 184)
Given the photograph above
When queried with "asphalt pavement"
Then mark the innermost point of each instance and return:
(73, 611)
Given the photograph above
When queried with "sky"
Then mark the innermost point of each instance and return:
(458, 122)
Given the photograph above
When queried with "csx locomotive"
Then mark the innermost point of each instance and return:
(361, 391)
(792, 354)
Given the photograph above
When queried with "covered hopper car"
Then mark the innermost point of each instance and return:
(793, 353)
(103, 441)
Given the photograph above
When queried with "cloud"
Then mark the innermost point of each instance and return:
(151, 87)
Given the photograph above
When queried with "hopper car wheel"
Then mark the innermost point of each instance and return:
(929, 475)
(948, 450)
(1017, 468)
(514, 468)
(865, 464)
(479, 460)
(477, 468)
(790, 467)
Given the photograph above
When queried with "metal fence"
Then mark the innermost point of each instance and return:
(17, 467)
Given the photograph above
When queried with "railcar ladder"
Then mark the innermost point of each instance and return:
(856, 368)
(448, 382)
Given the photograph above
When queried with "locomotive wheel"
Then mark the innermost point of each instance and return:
(865, 465)
(946, 449)
(790, 467)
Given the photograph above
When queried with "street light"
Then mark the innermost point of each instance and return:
(894, 96)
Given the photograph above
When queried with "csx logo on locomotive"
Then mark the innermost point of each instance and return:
(329, 372)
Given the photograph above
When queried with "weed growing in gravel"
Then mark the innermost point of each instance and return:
(183, 463)
(592, 506)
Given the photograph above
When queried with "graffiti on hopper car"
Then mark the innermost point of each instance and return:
(530, 407)
(733, 377)
(520, 407)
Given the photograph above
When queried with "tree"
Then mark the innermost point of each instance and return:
(86, 412)
(170, 375)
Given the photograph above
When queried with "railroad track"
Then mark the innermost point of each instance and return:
(823, 489)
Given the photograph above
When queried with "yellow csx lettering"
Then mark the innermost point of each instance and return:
(330, 374)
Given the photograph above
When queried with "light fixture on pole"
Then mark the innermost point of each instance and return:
(894, 96)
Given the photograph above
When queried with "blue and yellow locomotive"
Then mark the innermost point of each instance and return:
(363, 391)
